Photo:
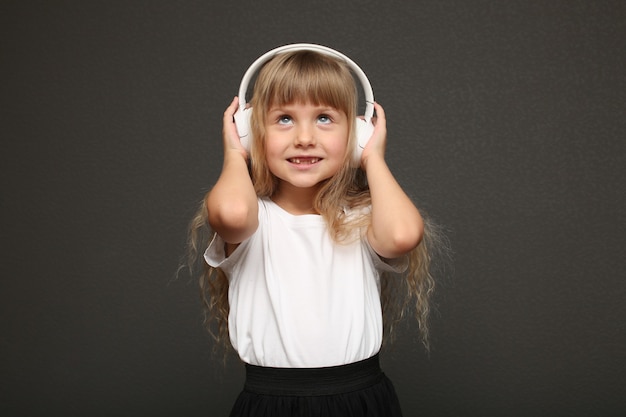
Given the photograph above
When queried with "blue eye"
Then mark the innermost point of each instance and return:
(324, 119)
(284, 120)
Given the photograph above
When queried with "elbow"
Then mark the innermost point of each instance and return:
(407, 238)
(234, 221)
(229, 215)
(408, 235)
(398, 241)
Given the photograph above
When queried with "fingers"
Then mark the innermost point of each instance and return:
(229, 113)
(230, 134)
(231, 110)
(377, 143)
(379, 113)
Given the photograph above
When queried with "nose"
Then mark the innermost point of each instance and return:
(305, 136)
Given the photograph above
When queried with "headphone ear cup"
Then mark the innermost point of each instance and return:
(242, 122)
(364, 131)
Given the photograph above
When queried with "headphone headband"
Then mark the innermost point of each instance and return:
(256, 65)
(364, 126)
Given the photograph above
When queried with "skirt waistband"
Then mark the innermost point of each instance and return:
(313, 381)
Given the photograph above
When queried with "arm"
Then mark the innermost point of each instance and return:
(397, 226)
(232, 203)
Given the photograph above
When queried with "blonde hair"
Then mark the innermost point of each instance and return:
(311, 77)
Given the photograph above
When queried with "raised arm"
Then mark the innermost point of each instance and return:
(232, 203)
(397, 226)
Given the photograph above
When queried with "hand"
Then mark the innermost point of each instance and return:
(229, 131)
(376, 145)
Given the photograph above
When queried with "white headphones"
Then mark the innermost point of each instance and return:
(364, 127)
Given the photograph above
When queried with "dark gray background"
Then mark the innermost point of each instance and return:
(506, 123)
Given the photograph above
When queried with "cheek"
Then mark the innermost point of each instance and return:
(267, 145)
(339, 146)
(339, 149)
(272, 155)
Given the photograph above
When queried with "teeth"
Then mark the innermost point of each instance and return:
(299, 161)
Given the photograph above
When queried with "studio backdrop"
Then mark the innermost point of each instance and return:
(506, 125)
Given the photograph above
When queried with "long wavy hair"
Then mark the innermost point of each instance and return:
(311, 77)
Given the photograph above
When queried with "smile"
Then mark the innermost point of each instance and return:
(304, 161)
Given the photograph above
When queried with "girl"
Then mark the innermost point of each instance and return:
(308, 250)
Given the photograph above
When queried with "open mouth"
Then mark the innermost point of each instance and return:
(304, 161)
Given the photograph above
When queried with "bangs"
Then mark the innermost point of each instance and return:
(307, 77)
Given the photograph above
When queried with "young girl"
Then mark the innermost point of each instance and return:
(308, 250)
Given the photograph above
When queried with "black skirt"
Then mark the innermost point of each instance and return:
(358, 389)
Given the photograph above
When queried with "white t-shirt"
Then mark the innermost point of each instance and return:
(298, 299)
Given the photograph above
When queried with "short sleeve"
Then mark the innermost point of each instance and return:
(396, 265)
(215, 254)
